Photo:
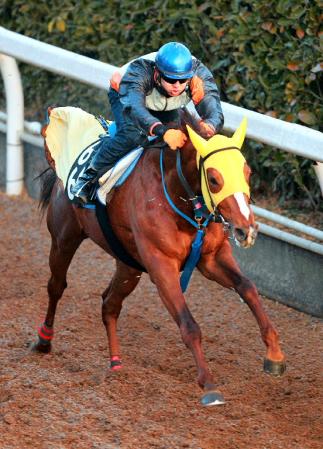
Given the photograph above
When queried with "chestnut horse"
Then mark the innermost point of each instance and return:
(160, 239)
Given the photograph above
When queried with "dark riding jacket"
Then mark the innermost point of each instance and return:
(143, 98)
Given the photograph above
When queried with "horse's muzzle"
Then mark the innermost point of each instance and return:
(245, 237)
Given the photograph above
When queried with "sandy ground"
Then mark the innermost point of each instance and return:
(69, 399)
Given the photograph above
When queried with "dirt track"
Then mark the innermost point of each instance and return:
(69, 400)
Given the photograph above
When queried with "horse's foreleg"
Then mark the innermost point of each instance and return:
(166, 277)
(223, 269)
(122, 284)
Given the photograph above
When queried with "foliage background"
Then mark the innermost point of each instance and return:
(265, 56)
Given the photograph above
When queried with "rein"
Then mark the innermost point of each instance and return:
(194, 198)
(199, 214)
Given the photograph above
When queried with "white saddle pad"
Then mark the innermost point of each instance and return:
(117, 174)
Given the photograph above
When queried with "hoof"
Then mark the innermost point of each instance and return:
(212, 398)
(40, 347)
(274, 368)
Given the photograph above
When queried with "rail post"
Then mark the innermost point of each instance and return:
(15, 125)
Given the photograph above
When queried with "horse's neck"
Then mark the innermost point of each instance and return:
(189, 168)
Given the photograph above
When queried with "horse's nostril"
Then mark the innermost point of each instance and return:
(240, 234)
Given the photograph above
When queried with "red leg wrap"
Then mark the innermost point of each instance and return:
(45, 333)
(115, 363)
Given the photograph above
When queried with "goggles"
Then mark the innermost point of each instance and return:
(173, 80)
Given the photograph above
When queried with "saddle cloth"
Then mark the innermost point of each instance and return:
(118, 174)
(71, 135)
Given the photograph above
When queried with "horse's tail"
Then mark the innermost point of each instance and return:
(47, 180)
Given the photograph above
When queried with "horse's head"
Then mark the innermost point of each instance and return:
(225, 181)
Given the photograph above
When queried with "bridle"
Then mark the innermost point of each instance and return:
(202, 173)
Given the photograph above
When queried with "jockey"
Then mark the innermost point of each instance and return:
(146, 99)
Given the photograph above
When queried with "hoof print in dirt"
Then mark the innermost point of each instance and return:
(212, 398)
(274, 368)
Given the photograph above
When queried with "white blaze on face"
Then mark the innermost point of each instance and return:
(243, 206)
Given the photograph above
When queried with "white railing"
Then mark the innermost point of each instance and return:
(290, 137)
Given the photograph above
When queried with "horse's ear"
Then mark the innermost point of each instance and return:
(199, 143)
(240, 134)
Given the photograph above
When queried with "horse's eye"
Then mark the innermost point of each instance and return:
(215, 180)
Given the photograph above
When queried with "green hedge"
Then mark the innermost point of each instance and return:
(264, 54)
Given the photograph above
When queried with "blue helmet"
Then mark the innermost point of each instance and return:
(174, 60)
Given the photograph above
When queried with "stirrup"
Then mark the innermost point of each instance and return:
(82, 193)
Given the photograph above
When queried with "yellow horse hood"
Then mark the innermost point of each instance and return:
(222, 154)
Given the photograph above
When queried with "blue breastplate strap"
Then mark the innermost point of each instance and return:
(192, 259)
(196, 247)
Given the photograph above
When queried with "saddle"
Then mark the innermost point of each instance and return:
(71, 139)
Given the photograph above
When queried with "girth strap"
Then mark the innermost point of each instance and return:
(114, 243)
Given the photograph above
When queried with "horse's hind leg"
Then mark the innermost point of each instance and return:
(65, 241)
(122, 284)
(223, 269)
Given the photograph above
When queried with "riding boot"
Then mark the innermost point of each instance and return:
(83, 187)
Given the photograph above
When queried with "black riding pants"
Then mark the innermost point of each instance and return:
(128, 136)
